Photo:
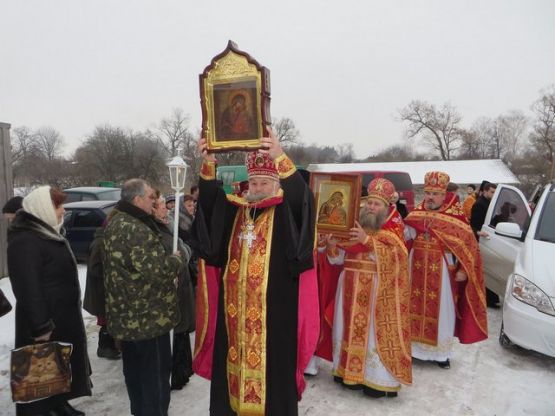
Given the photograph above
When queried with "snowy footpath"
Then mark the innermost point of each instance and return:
(484, 380)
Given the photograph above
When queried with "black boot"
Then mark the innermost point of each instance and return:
(107, 346)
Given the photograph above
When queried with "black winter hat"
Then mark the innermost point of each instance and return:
(12, 205)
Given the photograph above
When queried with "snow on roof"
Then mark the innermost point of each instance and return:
(460, 171)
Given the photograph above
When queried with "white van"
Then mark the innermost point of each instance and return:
(519, 259)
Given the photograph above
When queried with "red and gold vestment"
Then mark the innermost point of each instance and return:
(440, 232)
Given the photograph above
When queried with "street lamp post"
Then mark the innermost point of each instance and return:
(178, 173)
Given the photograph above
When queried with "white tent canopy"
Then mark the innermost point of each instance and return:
(460, 171)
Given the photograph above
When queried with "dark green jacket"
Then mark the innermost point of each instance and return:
(141, 299)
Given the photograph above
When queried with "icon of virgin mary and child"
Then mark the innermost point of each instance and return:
(332, 211)
(237, 120)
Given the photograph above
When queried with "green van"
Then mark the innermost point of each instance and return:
(238, 173)
(230, 174)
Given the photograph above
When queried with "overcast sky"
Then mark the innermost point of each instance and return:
(339, 69)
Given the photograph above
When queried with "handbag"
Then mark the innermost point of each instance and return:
(39, 371)
(5, 305)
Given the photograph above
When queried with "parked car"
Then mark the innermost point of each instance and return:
(518, 257)
(81, 221)
(92, 193)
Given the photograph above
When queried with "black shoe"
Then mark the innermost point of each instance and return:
(370, 392)
(390, 394)
(109, 353)
(338, 379)
(178, 386)
(444, 364)
(65, 409)
(353, 386)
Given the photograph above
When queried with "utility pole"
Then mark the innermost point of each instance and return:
(6, 191)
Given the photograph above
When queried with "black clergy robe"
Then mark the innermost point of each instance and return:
(291, 252)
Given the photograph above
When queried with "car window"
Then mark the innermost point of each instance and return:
(509, 208)
(67, 217)
(110, 195)
(72, 197)
(366, 179)
(87, 218)
(227, 177)
(107, 210)
(401, 181)
(546, 223)
(89, 197)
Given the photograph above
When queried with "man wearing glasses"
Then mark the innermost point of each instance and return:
(141, 300)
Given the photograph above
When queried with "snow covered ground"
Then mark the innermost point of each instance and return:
(484, 380)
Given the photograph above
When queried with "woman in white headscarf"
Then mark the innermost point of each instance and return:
(44, 278)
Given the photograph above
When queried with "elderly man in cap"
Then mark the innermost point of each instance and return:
(447, 285)
(261, 244)
(371, 332)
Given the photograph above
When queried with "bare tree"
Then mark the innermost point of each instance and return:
(438, 127)
(173, 131)
(543, 132)
(506, 132)
(494, 138)
(49, 142)
(345, 153)
(24, 150)
(112, 153)
(23, 142)
(476, 142)
(395, 153)
(286, 132)
(104, 155)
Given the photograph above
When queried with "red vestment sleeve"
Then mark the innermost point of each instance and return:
(328, 276)
(206, 314)
(308, 324)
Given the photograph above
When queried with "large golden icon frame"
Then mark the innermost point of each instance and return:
(337, 198)
(235, 101)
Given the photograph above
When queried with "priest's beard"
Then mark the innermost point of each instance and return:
(370, 221)
(432, 206)
(259, 196)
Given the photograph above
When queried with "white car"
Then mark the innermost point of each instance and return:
(519, 264)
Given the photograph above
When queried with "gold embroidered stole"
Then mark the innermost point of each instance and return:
(427, 269)
(391, 310)
(448, 231)
(392, 314)
(245, 284)
(357, 315)
(201, 307)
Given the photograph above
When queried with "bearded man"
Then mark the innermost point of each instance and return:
(371, 332)
(260, 244)
(447, 285)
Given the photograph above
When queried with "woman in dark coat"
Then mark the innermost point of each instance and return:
(182, 356)
(44, 278)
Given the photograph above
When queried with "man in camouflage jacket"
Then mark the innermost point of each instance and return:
(141, 300)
